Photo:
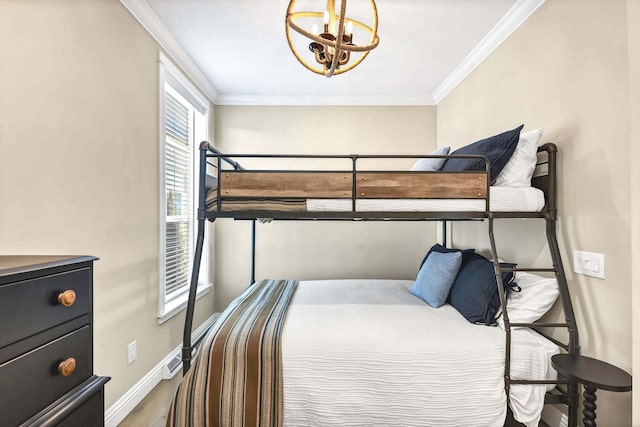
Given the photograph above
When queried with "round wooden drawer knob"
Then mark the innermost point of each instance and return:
(66, 367)
(67, 298)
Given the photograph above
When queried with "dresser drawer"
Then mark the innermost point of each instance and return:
(90, 414)
(81, 407)
(35, 379)
(32, 306)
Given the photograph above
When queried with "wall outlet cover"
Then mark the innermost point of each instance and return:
(589, 264)
(132, 352)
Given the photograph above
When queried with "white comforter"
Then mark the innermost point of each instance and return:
(368, 353)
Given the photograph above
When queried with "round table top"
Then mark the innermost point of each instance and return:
(591, 372)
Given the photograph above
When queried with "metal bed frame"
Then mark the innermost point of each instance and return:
(547, 182)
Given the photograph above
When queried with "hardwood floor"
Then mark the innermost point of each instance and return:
(152, 411)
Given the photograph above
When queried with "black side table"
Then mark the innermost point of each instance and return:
(593, 374)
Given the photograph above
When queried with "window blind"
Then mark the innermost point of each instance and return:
(178, 123)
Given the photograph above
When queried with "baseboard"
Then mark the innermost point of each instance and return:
(174, 362)
(554, 417)
(132, 398)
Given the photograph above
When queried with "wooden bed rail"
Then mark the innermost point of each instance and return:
(339, 185)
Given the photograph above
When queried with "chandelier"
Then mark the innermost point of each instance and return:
(333, 47)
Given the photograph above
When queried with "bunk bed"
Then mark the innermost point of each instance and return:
(228, 190)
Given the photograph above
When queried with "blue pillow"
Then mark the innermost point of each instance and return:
(498, 149)
(430, 164)
(436, 277)
(439, 248)
(475, 294)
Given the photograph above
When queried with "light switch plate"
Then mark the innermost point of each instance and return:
(589, 264)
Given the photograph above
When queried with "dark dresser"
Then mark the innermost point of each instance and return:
(46, 343)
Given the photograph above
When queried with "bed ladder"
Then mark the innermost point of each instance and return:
(570, 397)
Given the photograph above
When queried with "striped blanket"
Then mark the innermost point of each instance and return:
(254, 204)
(236, 379)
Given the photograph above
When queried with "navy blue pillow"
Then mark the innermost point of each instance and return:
(498, 149)
(439, 248)
(475, 294)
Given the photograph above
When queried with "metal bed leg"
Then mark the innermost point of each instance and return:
(444, 233)
(187, 347)
(253, 251)
(505, 316)
(573, 392)
(574, 403)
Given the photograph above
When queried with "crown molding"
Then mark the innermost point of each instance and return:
(254, 99)
(503, 29)
(150, 21)
(146, 16)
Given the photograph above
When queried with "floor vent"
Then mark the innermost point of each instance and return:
(172, 367)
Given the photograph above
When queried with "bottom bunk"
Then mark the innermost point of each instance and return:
(357, 352)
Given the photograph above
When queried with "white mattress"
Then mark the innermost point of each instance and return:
(502, 199)
(366, 352)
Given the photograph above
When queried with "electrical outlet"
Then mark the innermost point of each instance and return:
(132, 352)
(589, 264)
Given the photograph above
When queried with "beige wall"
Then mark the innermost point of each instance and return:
(633, 11)
(79, 165)
(321, 250)
(565, 70)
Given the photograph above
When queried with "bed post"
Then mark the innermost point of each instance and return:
(551, 218)
(187, 346)
(574, 345)
(503, 304)
(444, 233)
(253, 251)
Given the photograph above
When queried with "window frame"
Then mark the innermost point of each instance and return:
(170, 75)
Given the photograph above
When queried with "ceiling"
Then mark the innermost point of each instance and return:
(238, 49)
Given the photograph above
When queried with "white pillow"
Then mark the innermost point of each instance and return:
(535, 298)
(432, 164)
(519, 169)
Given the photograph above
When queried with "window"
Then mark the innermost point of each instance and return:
(184, 122)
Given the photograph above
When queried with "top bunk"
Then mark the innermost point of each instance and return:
(357, 187)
